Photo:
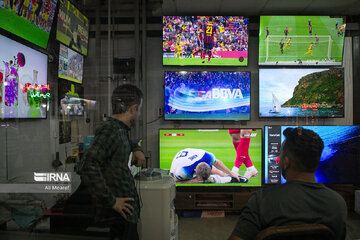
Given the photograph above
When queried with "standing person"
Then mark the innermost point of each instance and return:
(267, 32)
(310, 30)
(209, 31)
(241, 141)
(282, 46)
(299, 201)
(310, 49)
(105, 169)
(309, 22)
(286, 32)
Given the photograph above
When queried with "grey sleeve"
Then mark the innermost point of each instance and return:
(248, 225)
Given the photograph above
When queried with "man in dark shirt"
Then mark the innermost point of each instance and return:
(105, 168)
(299, 201)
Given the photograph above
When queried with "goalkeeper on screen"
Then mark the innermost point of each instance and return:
(310, 48)
(288, 42)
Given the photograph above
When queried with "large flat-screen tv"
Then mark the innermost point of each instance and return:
(301, 40)
(340, 159)
(30, 20)
(71, 97)
(72, 27)
(301, 92)
(181, 148)
(205, 40)
(24, 91)
(207, 95)
(71, 64)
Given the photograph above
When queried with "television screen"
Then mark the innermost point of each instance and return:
(30, 20)
(24, 91)
(71, 97)
(182, 149)
(304, 40)
(70, 64)
(72, 27)
(205, 40)
(340, 159)
(207, 95)
(301, 92)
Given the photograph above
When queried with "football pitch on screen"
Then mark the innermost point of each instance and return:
(198, 61)
(327, 51)
(22, 28)
(217, 142)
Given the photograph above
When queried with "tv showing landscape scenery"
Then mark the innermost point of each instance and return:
(301, 40)
(301, 92)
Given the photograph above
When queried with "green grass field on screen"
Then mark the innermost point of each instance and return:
(217, 142)
(323, 26)
(198, 61)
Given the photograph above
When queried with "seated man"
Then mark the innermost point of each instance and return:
(198, 166)
(299, 201)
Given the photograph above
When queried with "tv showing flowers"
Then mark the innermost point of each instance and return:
(24, 92)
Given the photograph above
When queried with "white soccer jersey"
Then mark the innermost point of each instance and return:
(185, 162)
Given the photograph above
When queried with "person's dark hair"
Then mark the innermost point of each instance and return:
(210, 19)
(203, 170)
(303, 147)
(125, 96)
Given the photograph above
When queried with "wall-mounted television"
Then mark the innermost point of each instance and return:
(72, 27)
(340, 159)
(301, 40)
(71, 64)
(30, 20)
(301, 92)
(207, 95)
(71, 97)
(205, 40)
(180, 149)
(24, 91)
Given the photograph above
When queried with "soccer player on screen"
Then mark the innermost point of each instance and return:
(288, 42)
(197, 165)
(267, 32)
(309, 22)
(286, 32)
(209, 30)
(316, 40)
(310, 48)
(282, 46)
(310, 30)
(241, 141)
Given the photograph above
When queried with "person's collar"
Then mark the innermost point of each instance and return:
(121, 123)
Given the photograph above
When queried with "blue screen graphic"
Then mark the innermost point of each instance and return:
(207, 95)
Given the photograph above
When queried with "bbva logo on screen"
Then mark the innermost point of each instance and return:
(52, 177)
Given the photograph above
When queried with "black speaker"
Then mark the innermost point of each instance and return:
(124, 65)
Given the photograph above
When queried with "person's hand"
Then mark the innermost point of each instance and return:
(138, 158)
(121, 206)
(235, 175)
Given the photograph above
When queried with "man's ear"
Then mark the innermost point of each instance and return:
(133, 108)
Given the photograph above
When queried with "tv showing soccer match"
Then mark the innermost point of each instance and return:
(71, 97)
(212, 157)
(207, 95)
(72, 27)
(30, 20)
(71, 64)
(205, 40)
(339, 162)
(24, 92)
(301, 92)
(301, 40)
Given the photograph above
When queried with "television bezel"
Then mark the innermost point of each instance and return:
(265, 154)
(36, 48)
(216, 187)
(302, 117)
(190, 65)
(207, 120)
(305, 65)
